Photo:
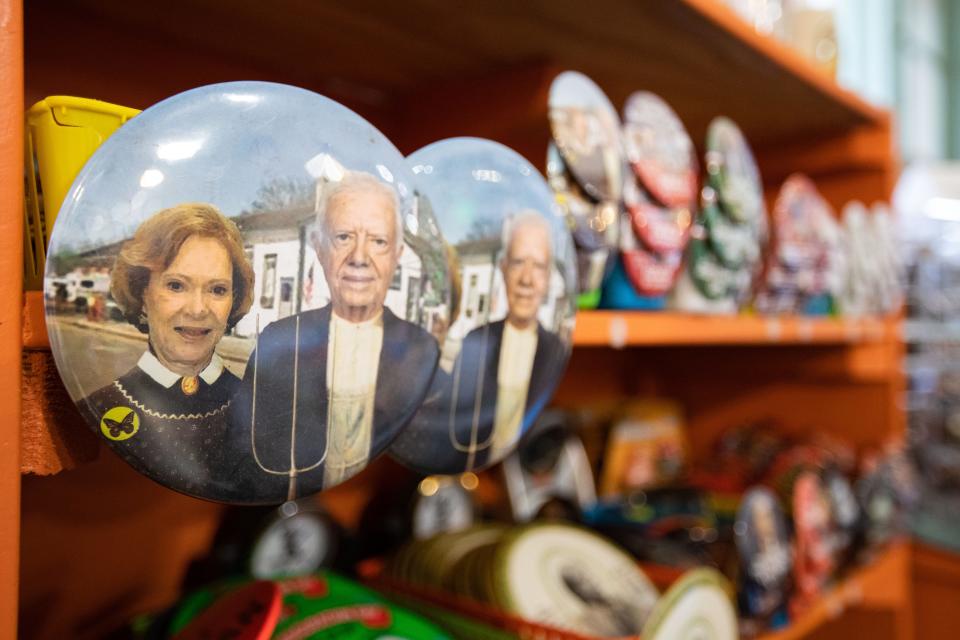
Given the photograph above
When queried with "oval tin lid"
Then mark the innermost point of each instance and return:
(586, 129)
(651, 274)
(660, 150)
(732, 171)
(735, 245)
(662, 229)
(224, 218)
(812, 525)
(797, 214)
(507, 348)
(572, 578)
(593, 224)
(696, 607)
(763, 540)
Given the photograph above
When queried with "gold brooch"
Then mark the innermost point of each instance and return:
(190, 385)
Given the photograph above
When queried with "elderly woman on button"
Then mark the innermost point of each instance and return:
(184, 280)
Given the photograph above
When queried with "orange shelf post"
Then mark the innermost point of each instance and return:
(11, 269)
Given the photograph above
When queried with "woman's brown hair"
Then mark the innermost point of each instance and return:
(158, 241)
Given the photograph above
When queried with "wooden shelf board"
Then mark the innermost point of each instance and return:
(624, 328)
(637, 328)
(698, 54)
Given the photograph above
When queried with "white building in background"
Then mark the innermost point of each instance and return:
(274, 245)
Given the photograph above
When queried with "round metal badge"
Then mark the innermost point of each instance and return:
(651, 274)
(815, 561)
(509, 342)
(251, 266)
(661, 229)
(660, 150)
(586, 129)
(696, 607)
(571, 578)
(766, 557)
(593, 225)
(735, 245)
(732, 171)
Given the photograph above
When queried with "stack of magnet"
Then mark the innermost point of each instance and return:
(547, 572)
(660, 195)
(584, 168)
(803, 251)
(726, 250)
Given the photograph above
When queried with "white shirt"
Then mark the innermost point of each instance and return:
(353, 358)
(151, 366)
(517, 351)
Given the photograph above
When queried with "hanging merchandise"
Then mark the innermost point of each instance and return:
(766, 557)
(585, 169)
(549, 476)
(799, 260)
(696, 607)
(507, 349)
(259, 265)
(730, 234)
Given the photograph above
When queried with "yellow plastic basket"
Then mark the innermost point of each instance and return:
(61, 134)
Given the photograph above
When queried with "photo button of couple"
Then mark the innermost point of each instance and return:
(247, 293)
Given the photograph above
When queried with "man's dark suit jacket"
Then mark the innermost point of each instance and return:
(408, 359)
(425, 445)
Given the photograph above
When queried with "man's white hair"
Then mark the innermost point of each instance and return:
(524, 218)
(355, 182)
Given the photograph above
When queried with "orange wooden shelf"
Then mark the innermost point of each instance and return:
(637, 328)
(624, 328)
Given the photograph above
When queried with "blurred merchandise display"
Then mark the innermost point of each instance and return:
(927, 201)
(732, 228)
(807, 26)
